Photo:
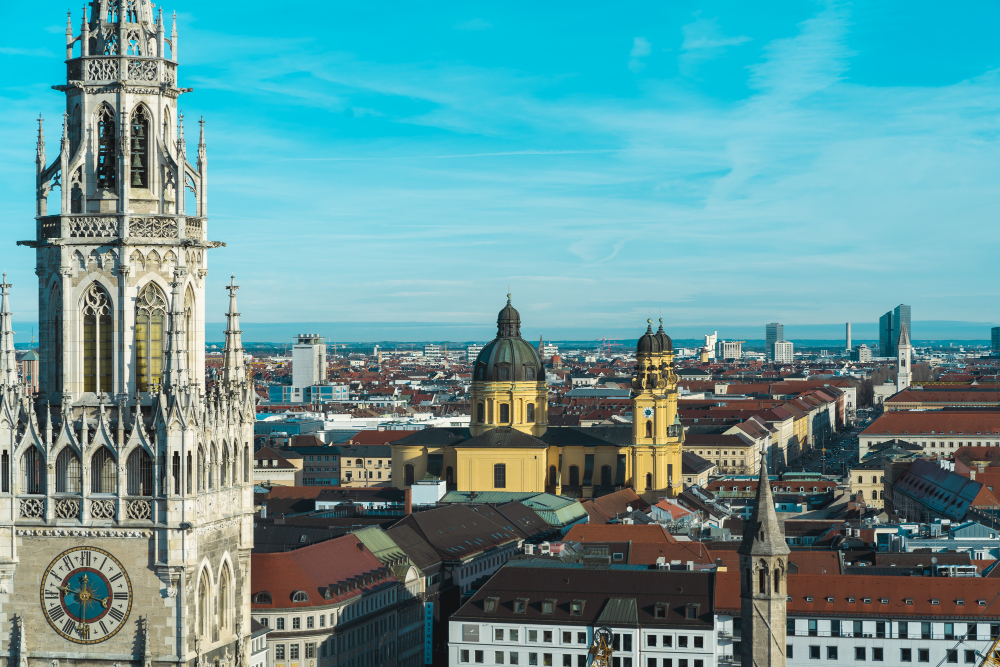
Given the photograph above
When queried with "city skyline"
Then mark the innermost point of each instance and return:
(677, 143)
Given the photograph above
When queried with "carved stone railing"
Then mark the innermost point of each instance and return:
(193, 228)
(139, 509)
(142, 70)
(153, 228)
(102, 69)
(102, 508)
(170, 73)
(32, 508)
(92, 227)
(67, 508)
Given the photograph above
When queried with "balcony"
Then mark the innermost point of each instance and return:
(108, 227)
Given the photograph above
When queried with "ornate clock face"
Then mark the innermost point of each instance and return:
(86, 595)
(647, 412)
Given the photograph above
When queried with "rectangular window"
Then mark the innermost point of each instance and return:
(546, 660)
(279, 651)
(858, 628)
(831, 652)
(480, 657)
(668, 662)
(904, 630)
(952, 655)
(650, 662)
(859, 653)
(627, 643)
(925, 630)
(498, 657)
(547, 636)
(498, 635)
(682, 641)
(789, 626)
(877, 654)
(513, 658)
(296, 623)
(567, 637)
(835, 629)
(310, 650)
(310, 622)
(789, 651)
(532, 635)
(812, 628)
(880, 629)
(923, 655)
(293, 652)
(581, 638)
(512, 635)
(699, 641)
(668, 641)
(581, 661)
(650, 640)
(906, 655)
(532, 659)
(970, 657)
(279, 624)
(504, 413)
(567, 660)
(464, 655)
(699, 663)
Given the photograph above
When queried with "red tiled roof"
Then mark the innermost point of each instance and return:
(940, 422)
(616, 532)
(945, 590)
(314, 569)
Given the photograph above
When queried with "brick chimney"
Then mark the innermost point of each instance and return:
(408, 495)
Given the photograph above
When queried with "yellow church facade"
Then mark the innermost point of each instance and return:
(509, 445)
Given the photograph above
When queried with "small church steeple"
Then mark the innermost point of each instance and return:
(903, 351)
(763, 569)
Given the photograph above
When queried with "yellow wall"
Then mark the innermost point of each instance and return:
(516, 395)
(524, 468)
(872, 490)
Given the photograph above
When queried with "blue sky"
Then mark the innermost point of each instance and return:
(727, 165)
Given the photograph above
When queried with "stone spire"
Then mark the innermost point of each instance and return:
(762, 535)
(763, 582)
(175, 374)
(233, 369)
(8, 360)
(904, 336)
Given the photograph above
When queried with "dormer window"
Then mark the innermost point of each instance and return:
(576, 607)
(829, 599)
(520, 605)
(908, 601)
(503, 373)
(660, 611)
(490, 604)
(529, 373)
(935, 602)
(960, 603)
(300, 596)
(262, 598)
(850, 600)
(548, 606)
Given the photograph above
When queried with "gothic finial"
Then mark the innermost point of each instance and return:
(8, 358)
(41, 131)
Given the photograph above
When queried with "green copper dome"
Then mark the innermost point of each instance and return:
(508, 357)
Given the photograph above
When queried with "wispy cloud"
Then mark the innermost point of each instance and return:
(703, 40)
(34, 53)
(473, 24)
(640, 49)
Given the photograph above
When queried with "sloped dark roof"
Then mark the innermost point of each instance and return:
(504, 437)
(619, 613)
(436, 437)
(457, 531)
(692, 464)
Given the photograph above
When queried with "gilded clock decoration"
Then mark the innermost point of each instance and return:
(86, 595)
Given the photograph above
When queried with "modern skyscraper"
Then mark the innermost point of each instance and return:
(784, 352)
(848, 346)
(126, 484)
(996, 339)
(888, 329)
(773, 332)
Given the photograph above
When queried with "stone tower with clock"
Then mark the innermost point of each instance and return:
(126, 488)
(657, 435)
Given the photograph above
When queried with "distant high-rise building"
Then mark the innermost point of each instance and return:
(773, 332)
(888, 329)
(308, 361)
(472, 351)
(784, 352)
(433, 351)
(996, 339)
(729, 349)
(861, 353)
(848, 348)
(710, 341)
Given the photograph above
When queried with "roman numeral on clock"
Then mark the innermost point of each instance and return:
(69, 626)
(121, 596)
(116, 577)
(51, 595)
(104, 628)
(116, 614)
(56, 612)
(85, 558)
(68, 563)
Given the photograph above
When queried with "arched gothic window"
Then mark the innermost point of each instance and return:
(762, 580)
(139, 470)
(5, 472)
(204, 604)
(224, 608)
(68, 479)
(176, 469)
(201, 468)
(107, 150)
(649, 429)
(224, 474)
(103, 472)
(189, 331)
(97, 340)
(190, 473)
(139, 154)
(777, 580)
(55, 335)
(213, 467)
(150, 314)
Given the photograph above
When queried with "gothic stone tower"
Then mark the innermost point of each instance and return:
(657, 436)
(126, 492)
(763, 589)
(904, 371)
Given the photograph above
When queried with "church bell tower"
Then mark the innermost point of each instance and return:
(763, 582)
(126, 486)
(657, 435)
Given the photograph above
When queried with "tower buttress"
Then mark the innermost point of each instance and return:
(8, 359)
(763, 582)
